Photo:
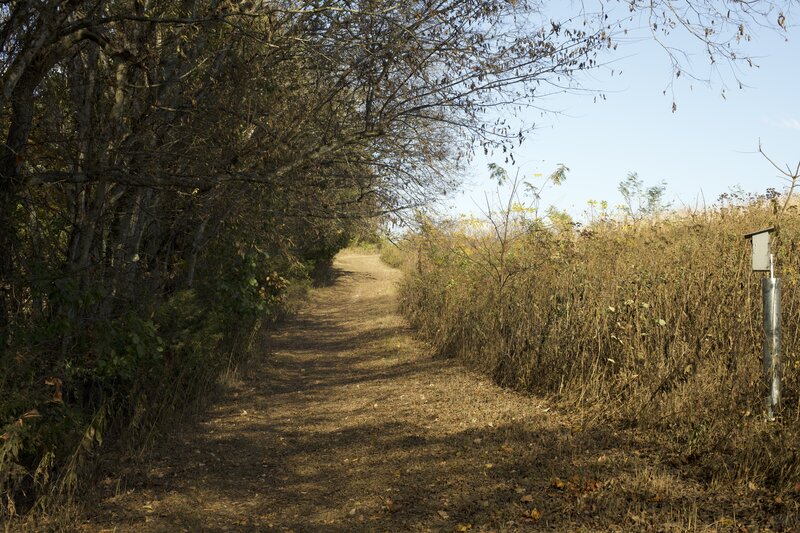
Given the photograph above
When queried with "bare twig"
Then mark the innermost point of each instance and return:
(788, 174)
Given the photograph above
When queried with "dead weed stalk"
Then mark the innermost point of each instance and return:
(655, 325)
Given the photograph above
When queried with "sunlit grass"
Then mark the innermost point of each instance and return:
(654, 324)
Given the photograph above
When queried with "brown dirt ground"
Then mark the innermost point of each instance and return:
(348, 424)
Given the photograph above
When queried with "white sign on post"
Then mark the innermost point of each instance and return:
(771, 296)
(760, 240)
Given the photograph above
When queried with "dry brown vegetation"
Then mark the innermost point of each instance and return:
(653, 325)
(344, 423)
(172, 173)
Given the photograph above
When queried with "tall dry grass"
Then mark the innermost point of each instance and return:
(654, 325)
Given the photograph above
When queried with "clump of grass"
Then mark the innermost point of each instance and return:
(392, 253)
(653, 324)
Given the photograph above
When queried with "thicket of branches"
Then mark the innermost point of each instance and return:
(166, 168)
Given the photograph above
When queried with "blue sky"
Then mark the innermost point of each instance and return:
(702, 150)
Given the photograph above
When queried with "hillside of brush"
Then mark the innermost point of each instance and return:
(652, 323)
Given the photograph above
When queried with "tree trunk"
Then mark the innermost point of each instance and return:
(11, 155)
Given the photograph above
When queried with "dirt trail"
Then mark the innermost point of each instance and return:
(349, 425)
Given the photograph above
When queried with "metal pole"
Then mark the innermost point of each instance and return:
(771, 294)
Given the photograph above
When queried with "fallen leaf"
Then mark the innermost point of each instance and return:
(462, 527)
(33, 413)
(56, 384)
(534, 514)
(443, 515)
(558, 484)
(528, 498)
(592, 486)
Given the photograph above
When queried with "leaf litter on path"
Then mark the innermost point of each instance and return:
(350, 408)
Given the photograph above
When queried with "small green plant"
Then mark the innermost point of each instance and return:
(642, 201)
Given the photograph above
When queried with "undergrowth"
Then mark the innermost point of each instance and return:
(78, 387)
(653, 324)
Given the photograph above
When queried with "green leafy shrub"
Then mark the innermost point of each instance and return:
(77, 381)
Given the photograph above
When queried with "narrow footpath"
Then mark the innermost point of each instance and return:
(346, 423)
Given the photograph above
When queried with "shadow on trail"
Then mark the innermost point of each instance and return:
(336, 275)
(348, 426)
(395, 475)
